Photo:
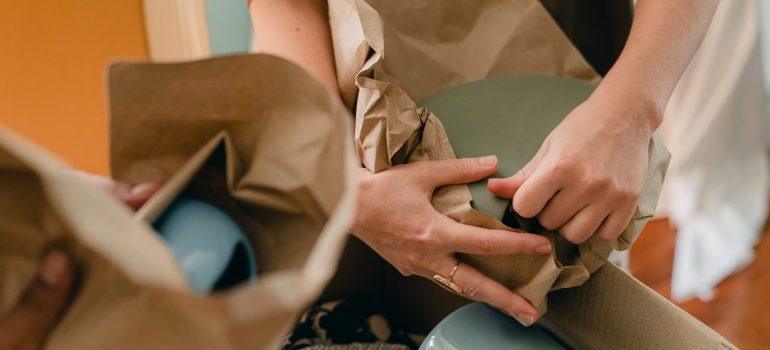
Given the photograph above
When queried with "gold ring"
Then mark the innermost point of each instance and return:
(447, 282)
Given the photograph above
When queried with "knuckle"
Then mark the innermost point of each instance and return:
(608, 234)
(461, 166)
(416, 259)
(522, 173)
(524, 210)
(404, 271)
(561, 167)
(616, 189)
(622, 193)
(426, 233)
(472, 290)
(487, 245)
(573, 236)
(597, 183)
(631, 195)
(548, 222)
(509, 307)
(365, 183)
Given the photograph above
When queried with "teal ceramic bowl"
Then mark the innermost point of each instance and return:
(479, 327)
(211, 248)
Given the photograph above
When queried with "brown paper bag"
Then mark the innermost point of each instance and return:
(258, 135)
(397, 53)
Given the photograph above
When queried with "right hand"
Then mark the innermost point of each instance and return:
(396, 219)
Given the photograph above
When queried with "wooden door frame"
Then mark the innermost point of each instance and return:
(176, 30)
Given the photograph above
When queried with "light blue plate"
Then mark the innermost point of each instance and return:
(479, 327)
(209, 245)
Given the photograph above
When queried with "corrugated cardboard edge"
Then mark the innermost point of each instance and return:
(613, 310)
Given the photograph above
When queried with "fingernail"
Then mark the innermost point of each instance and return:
(142, 188)
(543, 249)
(488, 160)
(524, 319)
(54, 266)
(492, 180)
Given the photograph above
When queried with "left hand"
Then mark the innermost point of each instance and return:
(586, 178)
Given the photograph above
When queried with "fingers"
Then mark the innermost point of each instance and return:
(615, 223)
(134, 197)
(455, 171)
(506, 188)
(533, 195)
(139, 194)
(478, 287)
(578, 229)
(476, 240)
(560, 208)
(40, 304)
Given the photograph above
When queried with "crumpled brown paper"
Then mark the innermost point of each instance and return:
(255, 134)
(397, 53)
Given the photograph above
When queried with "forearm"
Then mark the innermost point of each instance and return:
(664, 37)
(297, 30)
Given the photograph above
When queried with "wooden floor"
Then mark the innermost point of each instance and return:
(740, 310)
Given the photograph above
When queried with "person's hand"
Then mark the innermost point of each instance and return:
(395, 217)
(30, 321)
(134, 196)
(586, 178)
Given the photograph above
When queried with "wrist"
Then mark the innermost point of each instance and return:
(633, 107)
(365, 181)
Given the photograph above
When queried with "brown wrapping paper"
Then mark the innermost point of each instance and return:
(397, 53)
(255, 135)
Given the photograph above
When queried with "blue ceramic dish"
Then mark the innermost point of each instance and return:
(211, 248)
(479, 327)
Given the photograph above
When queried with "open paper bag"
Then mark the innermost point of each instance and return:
(254, 135)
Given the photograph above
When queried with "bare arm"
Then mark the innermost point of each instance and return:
(297, 30)
(663, 39)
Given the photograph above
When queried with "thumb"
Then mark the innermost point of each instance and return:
(456, 171)
(37, 311)
(507, 187)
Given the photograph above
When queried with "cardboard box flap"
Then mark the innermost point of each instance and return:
(613, 310)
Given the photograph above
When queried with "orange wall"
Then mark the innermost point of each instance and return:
(52, 63)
